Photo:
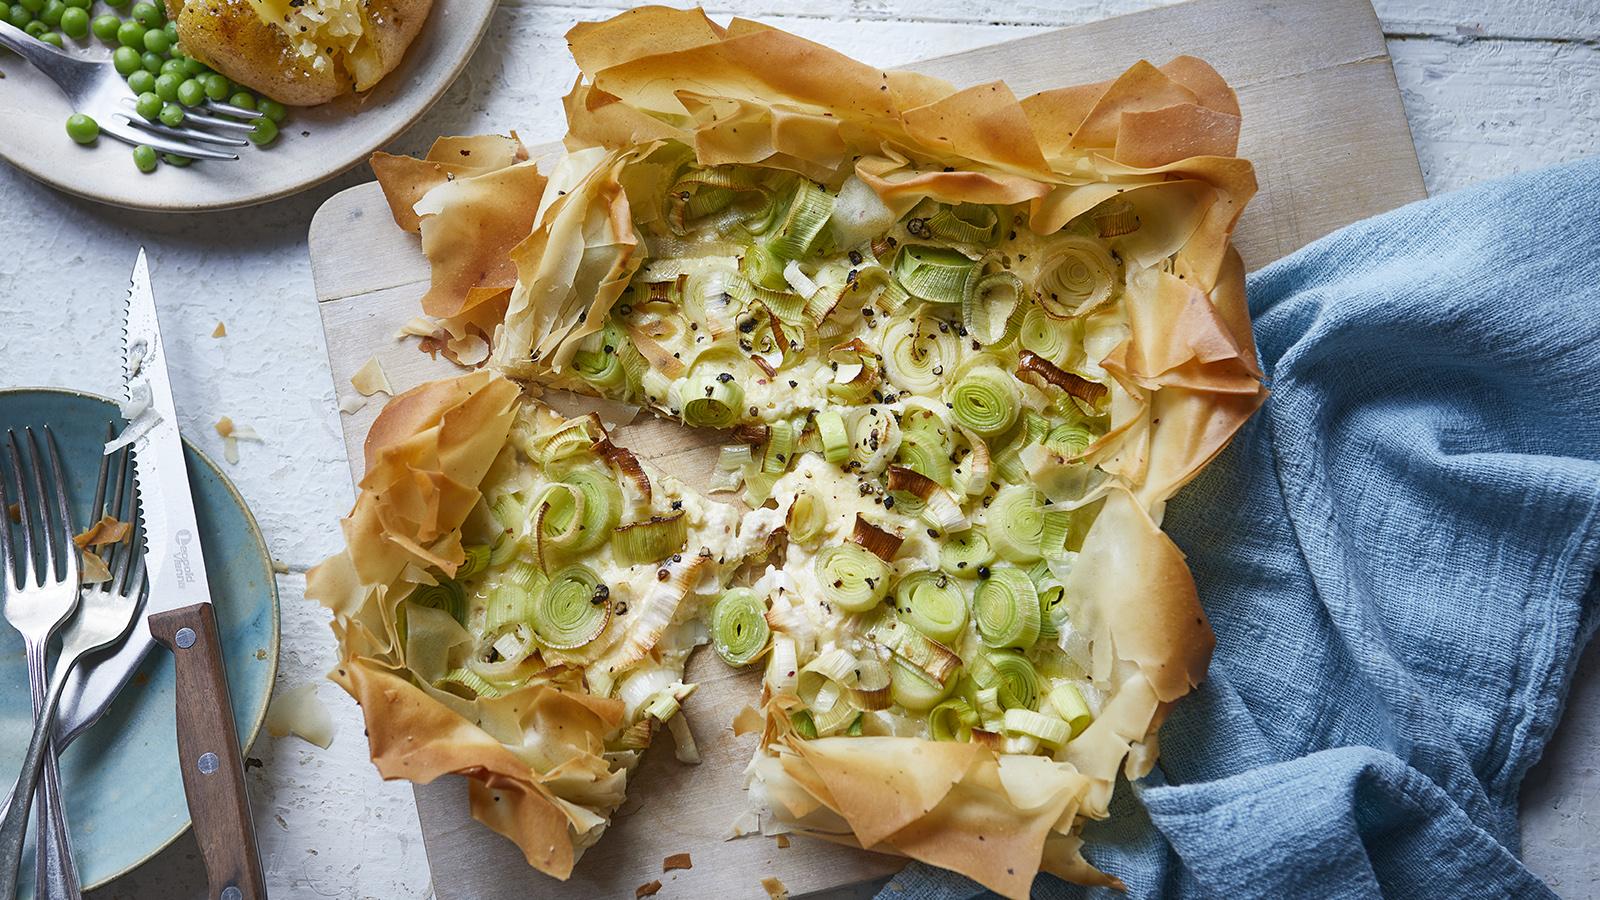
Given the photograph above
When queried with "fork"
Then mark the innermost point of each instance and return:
(95, 89)
(45, 599)
(103, 617)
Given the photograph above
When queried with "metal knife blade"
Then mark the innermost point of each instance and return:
(172, 546)
(173, 559)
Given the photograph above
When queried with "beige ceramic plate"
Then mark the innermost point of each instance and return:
(342, 133)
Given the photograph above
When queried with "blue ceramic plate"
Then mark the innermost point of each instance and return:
(124, 793)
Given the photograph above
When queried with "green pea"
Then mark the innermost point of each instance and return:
(34, 7)
(52, 12)
(148, 105)
(171, 114)
(179, 161)
(157, 41)
(82, 129)
(195, 67)
(265, 132)
(274, 110)
(142, 82)
(174, 67)
(126, 61)
(171, 28)
(37, 29)
(144, 156)
(244, 99)
(105, 27)
(131, 34)
(53, 38)
(148, 14)
(75, 23)
(5, 12)
(80, 4)
(191, 93)
(117, 4)
(20, 17)
(151, 62)
(167, 87)
(217, 88)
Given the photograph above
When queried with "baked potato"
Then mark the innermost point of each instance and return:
(299, 52)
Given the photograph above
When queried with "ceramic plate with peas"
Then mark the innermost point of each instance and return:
(318, 85)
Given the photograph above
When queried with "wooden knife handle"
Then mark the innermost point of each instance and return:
(208, 753)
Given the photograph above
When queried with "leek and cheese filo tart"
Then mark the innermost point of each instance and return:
(516, 605)
(961, 349)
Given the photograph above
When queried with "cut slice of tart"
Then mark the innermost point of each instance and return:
(516, 604)
(962, 348)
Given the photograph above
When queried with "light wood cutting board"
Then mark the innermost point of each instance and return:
(1324, 125)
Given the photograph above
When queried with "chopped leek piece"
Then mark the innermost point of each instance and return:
(985, 399)
(1066, 701)
(851, 577)
(477, 559)
(808, 212)
(913, 689)
(573, 610)
(447, 594)
(835, 436)
(952, 720)
(962, 555)
(988, 309)
(601, 507)
(919, 350)
(1048, 729)
(472, 681)
(927, 452)
(965, 223)
(652, 540)
(603, 366)
(934, 604)
(1049, 337)
(780, 449)
(1011, 675)
(1052, 610)
(514, 596)
(936, 274)
(1069, 440)
(1015, 524)
(803, 725)
(1077, 275)
(712, 398)
(806, 518)
(1005, 607)
(739, 629)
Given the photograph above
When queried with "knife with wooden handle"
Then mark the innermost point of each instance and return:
(180, 615)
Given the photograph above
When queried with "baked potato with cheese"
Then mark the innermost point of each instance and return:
(299, 52)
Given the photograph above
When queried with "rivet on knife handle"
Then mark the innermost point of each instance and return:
(209, 756)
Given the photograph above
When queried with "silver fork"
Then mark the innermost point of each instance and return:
(95, 89)
(45, 599)
(104, 614)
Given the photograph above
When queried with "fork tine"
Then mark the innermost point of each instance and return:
(26, 565)
(71, 562)
(215, 122)
(116, 129)
(47, 539)
(126, 514)
(182, 134)
(228, 109)
(6, 561)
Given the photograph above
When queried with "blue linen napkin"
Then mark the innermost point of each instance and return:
(1398, 555)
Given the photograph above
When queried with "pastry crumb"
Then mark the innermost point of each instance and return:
(677, 861)
(648, 889)
(220, 331)
(775, 889)
(783, 842)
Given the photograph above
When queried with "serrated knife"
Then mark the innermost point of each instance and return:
(179, 615)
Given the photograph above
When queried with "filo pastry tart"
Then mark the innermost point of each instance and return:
(963, 348)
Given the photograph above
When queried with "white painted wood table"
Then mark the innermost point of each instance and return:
(1490, 88)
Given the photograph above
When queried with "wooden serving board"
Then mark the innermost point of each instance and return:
(1324, 125)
